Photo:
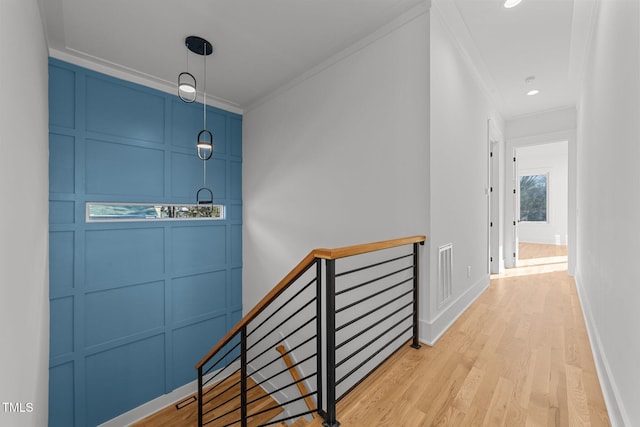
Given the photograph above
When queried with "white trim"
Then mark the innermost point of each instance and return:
(615, 409)
(541, 112)
(402, 20)
(431, 331)
(114, 70)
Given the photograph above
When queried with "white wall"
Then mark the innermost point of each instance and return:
(460, 109)
(608, 204)
(340, 158)
(344, 157)
(24, 274)
(541, 123)
(551, 160)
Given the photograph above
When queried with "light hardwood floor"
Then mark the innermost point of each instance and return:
(519, 356)
(224, 403)
(540, 252)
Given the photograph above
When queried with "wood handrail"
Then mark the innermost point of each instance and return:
(298, 270)
(264, 302)
(347, 251)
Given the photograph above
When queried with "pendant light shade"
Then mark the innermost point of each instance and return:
(187, 87)
(205, 144)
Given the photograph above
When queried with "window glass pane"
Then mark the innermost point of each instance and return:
(533, 198)
(105, 212)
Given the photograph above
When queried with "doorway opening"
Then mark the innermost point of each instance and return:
(540, 204)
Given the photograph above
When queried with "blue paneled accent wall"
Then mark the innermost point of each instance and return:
(134, 305)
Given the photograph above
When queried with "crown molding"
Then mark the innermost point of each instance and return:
(402, 20)
(134, 76)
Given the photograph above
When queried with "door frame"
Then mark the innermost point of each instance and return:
(495, 174)
(510, 202)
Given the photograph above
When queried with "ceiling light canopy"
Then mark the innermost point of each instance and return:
(533, 92)
(511, 3)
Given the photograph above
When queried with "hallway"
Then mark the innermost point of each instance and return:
(519, 356)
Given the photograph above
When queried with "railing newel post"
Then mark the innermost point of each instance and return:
(243, 376)
(416, 343)
(330, 419)
(319, 366)
(200, 404)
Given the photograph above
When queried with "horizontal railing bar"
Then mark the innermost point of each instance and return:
(288, 282)
(368, 313)
(297, 272)
(377, 366)
(348, 251)
(220, 416)
(280, 389)
(368, 282)
(298, 415)
(223, 403)
(296, 330)
(285, 370)
(282, 323)
(366, 267)
(284, 338)
(380, 335)
(282, 306)
(216, 385)
(271, 408)
(364, 362)
(221, 359)
(375, 294)
(279, 356)
(311, 338)
(293, 275)
(373, 325)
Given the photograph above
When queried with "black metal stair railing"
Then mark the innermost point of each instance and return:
(338, 327)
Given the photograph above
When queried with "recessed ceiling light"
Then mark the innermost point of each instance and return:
(533, 92)
(511, 3)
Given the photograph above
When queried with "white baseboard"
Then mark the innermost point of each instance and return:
(159, 403)
(431, 331)
(617, 414)
(546, 241)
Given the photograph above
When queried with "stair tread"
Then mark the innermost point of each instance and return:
(188, 414)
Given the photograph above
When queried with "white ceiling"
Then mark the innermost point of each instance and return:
(259, 45)
(535, 38)
(262, 45)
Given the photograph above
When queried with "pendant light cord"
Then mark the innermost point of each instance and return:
(205, 85)
(204, 109)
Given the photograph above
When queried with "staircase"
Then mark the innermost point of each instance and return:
(185, 412)
(339, 314)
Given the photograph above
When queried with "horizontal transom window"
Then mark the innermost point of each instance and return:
(112, 212)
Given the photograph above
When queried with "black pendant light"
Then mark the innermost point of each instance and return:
(187, 92)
